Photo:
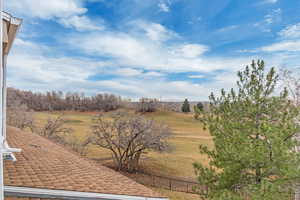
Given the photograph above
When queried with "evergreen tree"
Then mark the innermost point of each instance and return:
(198, 109)
(200, 106)
(253, 131)
(186, 106)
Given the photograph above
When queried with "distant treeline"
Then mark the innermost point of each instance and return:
(59, 101)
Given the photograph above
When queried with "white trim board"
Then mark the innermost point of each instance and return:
(8, 17)
(70, 195)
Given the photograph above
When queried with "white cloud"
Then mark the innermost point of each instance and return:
(167, 90)
(25, 45)
(192, 50)
(289, 40)
(248, 51)
(153, 74)
(135, 73)
(128, 72)
(228, 28)
(46, 9)
(144, 63)
(271, 18)
(274, 16)
(270, 1)
(72, 74)
(135, 50)
(195, 20)
(69, 13)
(140, 60)
(116, 45)
(128, 50)
(163, 6)
(28, 57)
(154, 31)
(81, 23)
(283, 46)
(291, 32)
(196, 76)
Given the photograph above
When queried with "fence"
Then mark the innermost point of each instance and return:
(180, 185)
(166, 183)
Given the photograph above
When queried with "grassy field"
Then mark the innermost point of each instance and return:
(187, 135)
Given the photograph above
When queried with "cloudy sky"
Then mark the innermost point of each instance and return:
(169, 49)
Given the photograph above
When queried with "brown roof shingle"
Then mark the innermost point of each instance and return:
(44, 164)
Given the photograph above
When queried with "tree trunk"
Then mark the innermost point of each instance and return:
(133, 162)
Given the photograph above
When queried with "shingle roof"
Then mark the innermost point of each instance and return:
(46, 165)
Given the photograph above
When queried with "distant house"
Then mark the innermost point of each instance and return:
(45, 170)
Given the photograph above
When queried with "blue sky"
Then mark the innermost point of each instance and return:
(169, 49)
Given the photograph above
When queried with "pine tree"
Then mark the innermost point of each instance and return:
(200, 106)
(254, 147)
(198, 109)
(186, 106)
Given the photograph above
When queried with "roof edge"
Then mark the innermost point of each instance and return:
(14, 20)
(65, 194)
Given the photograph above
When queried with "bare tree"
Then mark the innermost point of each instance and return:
(55, 129)
(76, 144)
(18, 115)
(147, 105)
(291, 80)
(58, 101)
(128, 137)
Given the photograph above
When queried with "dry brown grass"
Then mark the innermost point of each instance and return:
(188, 134)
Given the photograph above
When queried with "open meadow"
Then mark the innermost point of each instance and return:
(187, 135)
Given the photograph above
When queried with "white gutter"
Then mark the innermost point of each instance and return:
(13, 20)
(65, 194)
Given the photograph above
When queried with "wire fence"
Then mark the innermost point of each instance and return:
(168, 183)
(180, 185)
(187, 186)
